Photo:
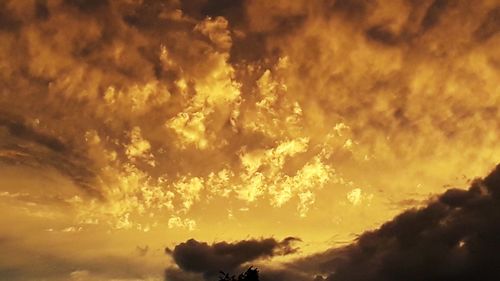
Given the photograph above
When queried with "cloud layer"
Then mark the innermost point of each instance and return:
(284, 99)
(131, 121)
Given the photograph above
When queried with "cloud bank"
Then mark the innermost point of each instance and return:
(454, 237)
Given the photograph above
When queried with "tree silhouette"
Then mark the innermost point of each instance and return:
(251, 274)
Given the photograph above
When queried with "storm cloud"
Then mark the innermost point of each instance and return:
(200, 257)
(163, 118)
(455, 237)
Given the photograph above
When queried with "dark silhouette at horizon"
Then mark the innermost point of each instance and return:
(251, 274)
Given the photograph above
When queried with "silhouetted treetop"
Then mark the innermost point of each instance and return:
(251, 274)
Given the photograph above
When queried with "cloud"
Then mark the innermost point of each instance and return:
(112, 93)
(200, 257)
(455, 237)
(490, 25)
(23, 143)
(17, 129)
(168, 115)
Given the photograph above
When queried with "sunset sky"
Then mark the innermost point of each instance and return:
(282, 129)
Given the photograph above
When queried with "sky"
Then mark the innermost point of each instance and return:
(170, 139)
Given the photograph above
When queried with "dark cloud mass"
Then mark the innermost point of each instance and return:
(455, 237)
(200, 257)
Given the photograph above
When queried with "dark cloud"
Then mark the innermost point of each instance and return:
(490, 25)
(455, 237)
(433, 14)
(41, 10)
(232, 10)
(22, 143)
(7, 21)
(382, 34)
(87, 5)
(20, 130)
(351, 9)
(200, 257)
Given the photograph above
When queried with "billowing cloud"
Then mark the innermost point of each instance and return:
(165, 118)
(200, 257)
(132, 98)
